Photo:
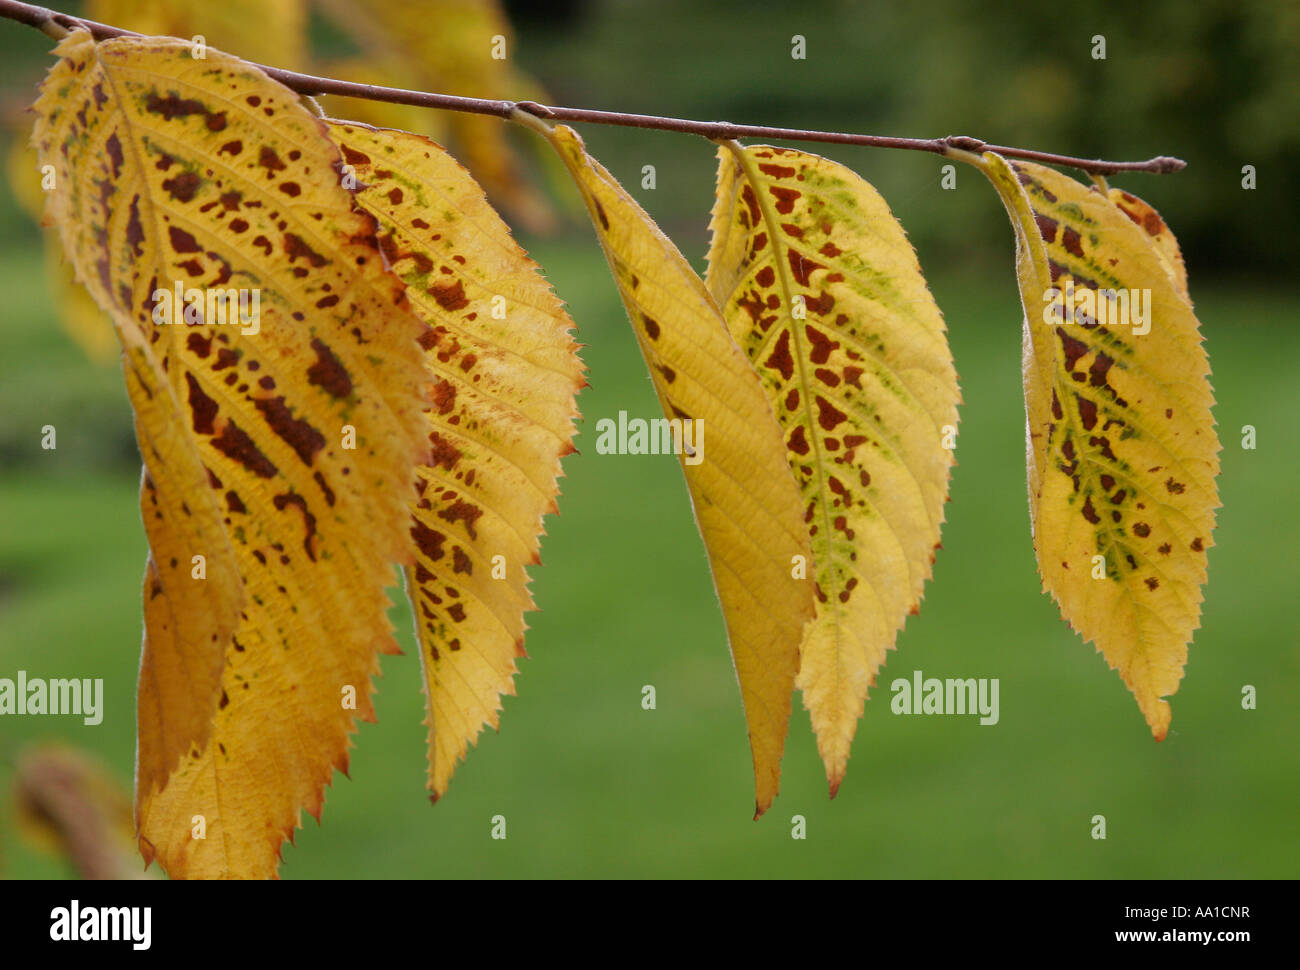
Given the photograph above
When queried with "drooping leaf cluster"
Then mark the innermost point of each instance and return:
(402, 388)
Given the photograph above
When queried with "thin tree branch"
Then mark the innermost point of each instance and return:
(45, 19)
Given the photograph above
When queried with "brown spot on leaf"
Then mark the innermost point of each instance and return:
(444, 396)
(269, 160)
(203, 409)
(297, 433)
(134, 229)
(238, 446)
(444, 454)
(780, 357)
(1074, 349)
(114, 148)
(1097, 372)
(747, 196)
(1087, 412)
(428, 541)
(450, 296)
(1089, 512)
(182, 186)
(785, 198)
(801, 266)
(828, 415)
(822, 345)
(328, 373)
(182, 241)
(464, 512)
(173, 106)
(295, 247)
(199, 344)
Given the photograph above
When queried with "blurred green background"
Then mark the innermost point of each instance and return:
(591, 784)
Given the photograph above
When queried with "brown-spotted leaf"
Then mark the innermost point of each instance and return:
(746, 505)
(280, 440)
(507, 373)
(1121, 444)
(822, 290)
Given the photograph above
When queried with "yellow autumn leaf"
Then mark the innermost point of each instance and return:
(746, 505)
(1121, 444)
(73, 306)
(820, 287)
(462, 47)
(264, 31)
(507, 373)
(279, 410)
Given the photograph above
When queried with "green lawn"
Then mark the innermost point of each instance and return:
(592, 785)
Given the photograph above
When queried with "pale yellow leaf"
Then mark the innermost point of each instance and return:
(746, 504)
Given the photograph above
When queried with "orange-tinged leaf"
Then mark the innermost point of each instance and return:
(507, 374)
(1121, 444)
(280, 448)
(822, 290)
(746, 504)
